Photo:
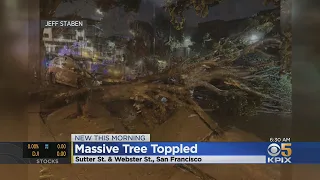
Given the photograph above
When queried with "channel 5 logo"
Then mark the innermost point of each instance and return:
(280, 154)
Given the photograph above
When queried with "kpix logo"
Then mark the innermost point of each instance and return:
(284, 151)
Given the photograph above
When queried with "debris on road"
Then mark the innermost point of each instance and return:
(192, 115)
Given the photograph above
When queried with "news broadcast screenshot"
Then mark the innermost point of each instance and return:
(158, 89)
(138, 149)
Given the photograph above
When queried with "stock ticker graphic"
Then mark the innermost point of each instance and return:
(47, 153)
(279, 153)
(35, 152)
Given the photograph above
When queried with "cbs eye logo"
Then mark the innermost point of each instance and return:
(285, 149)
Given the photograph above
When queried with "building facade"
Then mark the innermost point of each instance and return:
(88, 42)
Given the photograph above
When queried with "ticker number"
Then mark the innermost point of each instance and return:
(33, 146)
(61, 146)
(61, 153)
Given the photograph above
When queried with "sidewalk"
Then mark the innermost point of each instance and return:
(181, 127)
(126, 171)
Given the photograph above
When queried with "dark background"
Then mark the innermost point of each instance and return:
(227, 10)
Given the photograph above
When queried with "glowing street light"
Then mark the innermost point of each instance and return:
(254, 38)
(187, 42)
(98, 11)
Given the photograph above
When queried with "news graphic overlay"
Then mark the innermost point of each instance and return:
(110, 137)
(279, 153)
(99, 143)
(63, 23)
(137, 149)
(47, 152)
(34, 153)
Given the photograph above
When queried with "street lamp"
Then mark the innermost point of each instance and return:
(254, 37)
(98, 11)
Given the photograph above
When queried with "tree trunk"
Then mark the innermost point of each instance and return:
(82, 102)
(41, 70)
(79, 108)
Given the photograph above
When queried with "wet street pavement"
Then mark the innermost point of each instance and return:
(183, 126)
(180, 127)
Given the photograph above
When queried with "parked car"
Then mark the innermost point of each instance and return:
(64, 70)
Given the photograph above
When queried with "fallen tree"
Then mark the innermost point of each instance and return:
(156, 96)
(237, 72)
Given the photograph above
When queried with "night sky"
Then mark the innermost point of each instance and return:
(115, 21)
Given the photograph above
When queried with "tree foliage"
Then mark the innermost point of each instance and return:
(138, 48)
(229, 81)
(176, 8)
(268, 59)
(129, 6)
(239, 73)
(243, 77)
(165, 29)
(48, 8)
(274, 2)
